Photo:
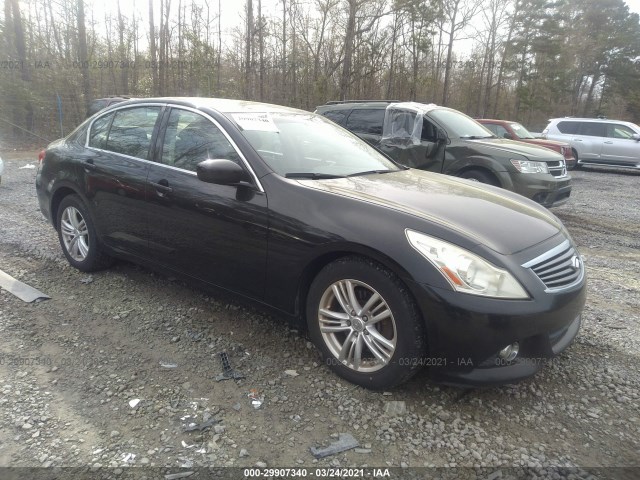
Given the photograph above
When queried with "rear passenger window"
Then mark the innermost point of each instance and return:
(337, 116)
(191, 138)
(492, 127)
(500, 131)
(131, 131)
(568, 127)
(593, 129)
(99, 131)
(366, 121)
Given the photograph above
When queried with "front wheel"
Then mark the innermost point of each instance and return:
(576, 166)
(78, 237)
(479, 176)
(365, 323)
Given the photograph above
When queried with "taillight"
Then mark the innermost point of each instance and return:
(41, 155)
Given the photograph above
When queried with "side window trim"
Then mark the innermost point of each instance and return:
(112, 112)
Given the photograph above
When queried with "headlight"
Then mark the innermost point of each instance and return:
(526, 166)
(465, 271)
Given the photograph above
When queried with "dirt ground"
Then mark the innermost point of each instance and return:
(116, 372)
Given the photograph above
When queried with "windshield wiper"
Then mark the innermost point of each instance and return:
(312, 175)
(477, 137)
(369, 172)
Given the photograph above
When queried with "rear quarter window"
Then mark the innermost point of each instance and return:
(366, 121)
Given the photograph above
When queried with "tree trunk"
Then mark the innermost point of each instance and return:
(248, 73)
(153, 50)
(447, 67)
(82, 53)
(261, 49)
(348, 50)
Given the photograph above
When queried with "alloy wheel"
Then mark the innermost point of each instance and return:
(357, 325)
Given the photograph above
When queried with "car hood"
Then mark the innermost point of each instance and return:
(500, 220)
(532, 152)
(544, 143)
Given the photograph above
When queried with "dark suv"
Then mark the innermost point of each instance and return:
(443, 140)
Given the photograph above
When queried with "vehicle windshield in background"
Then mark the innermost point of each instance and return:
(309, 146)
(459, 125)
(521, 132)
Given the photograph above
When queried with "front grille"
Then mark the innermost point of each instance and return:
(557, 168)
(559, 268)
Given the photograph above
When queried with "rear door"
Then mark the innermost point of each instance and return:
(115, 174)
(589, 140)
(214, 233)
(620, 146)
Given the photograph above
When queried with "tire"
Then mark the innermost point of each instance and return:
(577, 165)
(78, 237)
(479, 176)
(398, 337)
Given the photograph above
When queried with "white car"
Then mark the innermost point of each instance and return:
(598, 141)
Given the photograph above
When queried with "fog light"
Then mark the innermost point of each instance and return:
(510, 352)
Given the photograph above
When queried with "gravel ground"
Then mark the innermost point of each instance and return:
(118, 366)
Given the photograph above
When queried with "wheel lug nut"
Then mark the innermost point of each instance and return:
(365, 318)
(348, 323)
(366, 332)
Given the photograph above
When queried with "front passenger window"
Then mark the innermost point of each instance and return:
(620, 131)
(190, 139)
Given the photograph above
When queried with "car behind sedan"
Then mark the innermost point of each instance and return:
(515, 131)
(391, 268)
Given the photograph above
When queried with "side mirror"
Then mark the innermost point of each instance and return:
(508, 136)
(221, 172)
(441, 136)
(636, 137)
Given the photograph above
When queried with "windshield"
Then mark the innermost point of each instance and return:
(520, 131)
(458, 124)
(309, 146)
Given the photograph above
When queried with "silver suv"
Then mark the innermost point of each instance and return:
(598, 141)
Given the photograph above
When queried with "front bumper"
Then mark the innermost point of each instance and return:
(544, 189)
(466, 333)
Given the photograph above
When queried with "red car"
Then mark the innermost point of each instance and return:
(515, 131)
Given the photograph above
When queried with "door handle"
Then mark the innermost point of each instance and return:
(609, 143)
(89, 165)
(577, 139)
(162, 187)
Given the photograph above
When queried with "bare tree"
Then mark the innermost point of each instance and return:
(458, 14)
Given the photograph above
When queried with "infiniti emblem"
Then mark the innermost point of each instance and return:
(575, 262)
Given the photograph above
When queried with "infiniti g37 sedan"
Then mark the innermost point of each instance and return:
(391, 268)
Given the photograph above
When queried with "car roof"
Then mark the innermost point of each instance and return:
(578, 119)
(222, 105)
(493, 120)
(349, 104)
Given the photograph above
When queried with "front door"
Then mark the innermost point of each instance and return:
(214, 233)
(403, 145)
(620, 146)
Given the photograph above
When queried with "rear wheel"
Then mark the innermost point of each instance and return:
(78, 237)
(365, 323)
(479, 176)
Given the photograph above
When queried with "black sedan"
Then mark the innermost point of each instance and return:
(391, 268)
